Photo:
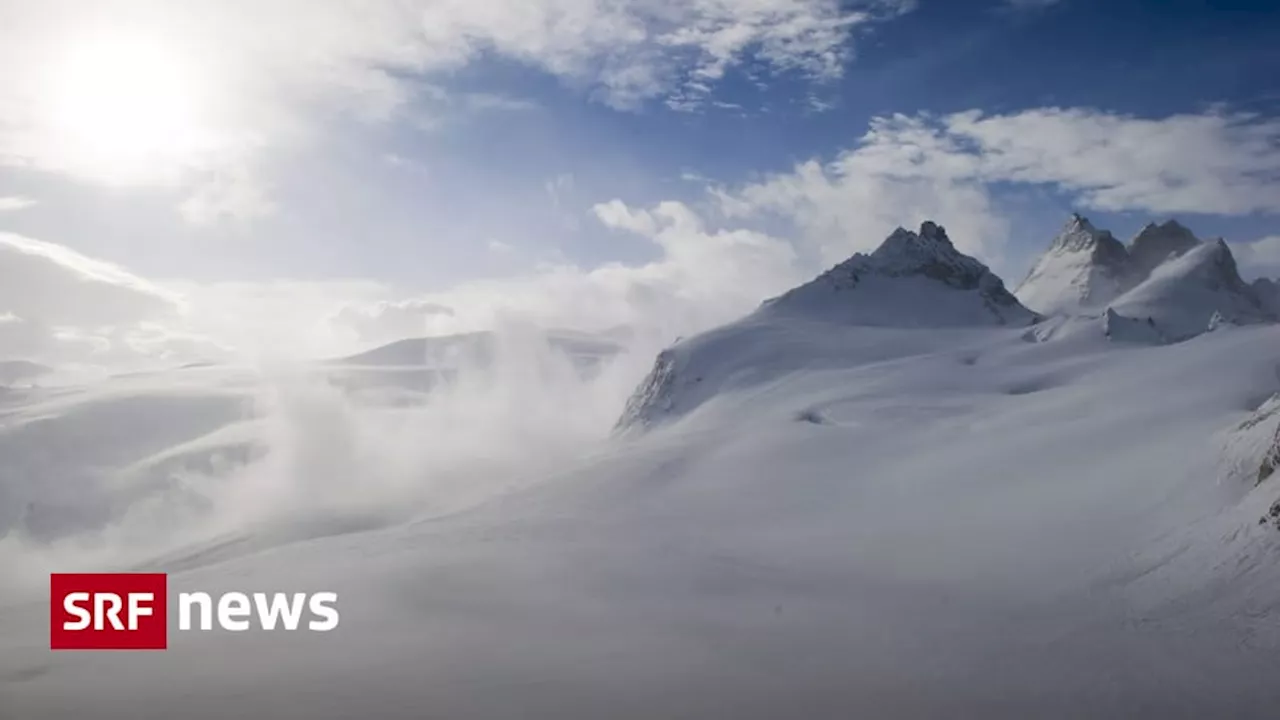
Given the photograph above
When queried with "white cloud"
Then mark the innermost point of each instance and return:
(60, 306)
(1260, 258)
(701, 277)
(281, 319)
(708, 267)
(616, 215)
(386, 321)
(223, 81)
(1208, 163)
(11, 204)
(231, 191)
(909, 168)
(897, 175)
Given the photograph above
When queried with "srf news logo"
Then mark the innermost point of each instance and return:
(129, 611)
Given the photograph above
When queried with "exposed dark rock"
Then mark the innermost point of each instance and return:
(1155, 244)
(1270, 462)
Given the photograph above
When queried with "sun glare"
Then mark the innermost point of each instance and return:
(126, 109)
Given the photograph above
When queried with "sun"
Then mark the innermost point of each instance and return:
(126, 109)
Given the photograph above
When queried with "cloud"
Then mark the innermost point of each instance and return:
(616, 215)
(1260, 258)
(898, 174)
(11, 204)
(712, 262)
(268, 321)
(1215, 162)
(387, 321)
(224, 90)
(62, 307)
(701, 277)
(908, 168)
(231, 191)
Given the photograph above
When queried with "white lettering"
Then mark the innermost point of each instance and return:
(69, 603)
(236, 610)
(101, 601)
(135, 609)
(320, 606)
(280, 607)
(231, 607)
(200, 600)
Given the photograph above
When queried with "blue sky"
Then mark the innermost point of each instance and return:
(416, 155)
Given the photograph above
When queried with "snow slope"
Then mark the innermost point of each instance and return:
(851, 509)
(1183, 294)
(1083, 269)
(965, 524)
(912, 281)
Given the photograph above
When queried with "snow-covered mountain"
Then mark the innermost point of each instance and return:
(858, 506)
(912, 281)
(1083, 269)
(1185, 293)
(1268, 291)
(1154, 244)
(1165, 286)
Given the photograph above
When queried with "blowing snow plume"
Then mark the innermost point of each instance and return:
(199, 464)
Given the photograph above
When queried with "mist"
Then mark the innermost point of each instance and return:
(197, 465)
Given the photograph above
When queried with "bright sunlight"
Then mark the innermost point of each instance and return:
(127, 109)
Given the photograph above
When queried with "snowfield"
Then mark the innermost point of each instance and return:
(907, 509)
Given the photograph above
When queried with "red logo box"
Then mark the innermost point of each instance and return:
(108, 611)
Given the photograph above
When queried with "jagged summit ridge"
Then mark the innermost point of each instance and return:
(1155, 244)
(899, 283)
(1195, 292)
(1083, 268)
(913, 280)
(1081, 235)
(929, 252)
(1166, 285)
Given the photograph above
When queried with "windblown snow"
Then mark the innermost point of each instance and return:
(894, 491)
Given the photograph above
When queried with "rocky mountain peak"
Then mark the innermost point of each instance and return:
(1080, 235)
(929, 253)
(1268, 291)
(1084, 268)
(885, 287)
(1156, 243)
